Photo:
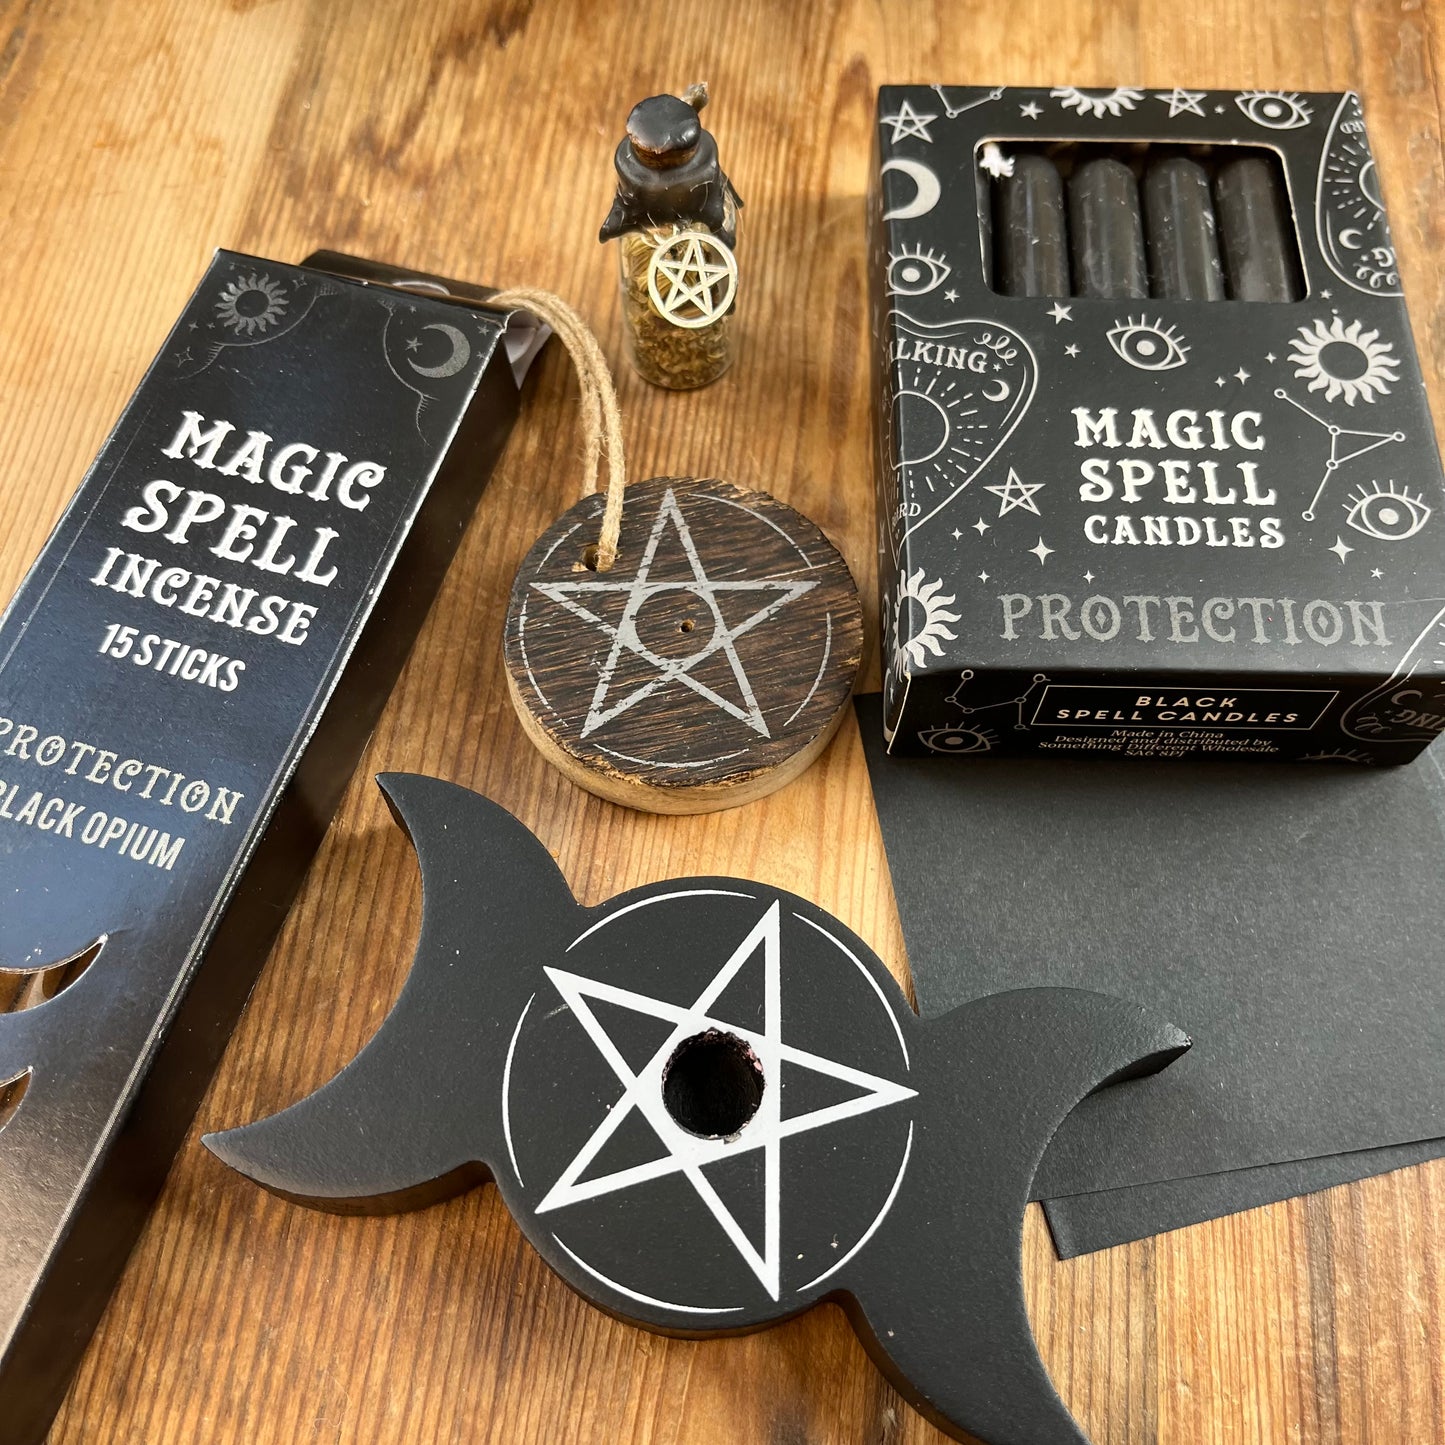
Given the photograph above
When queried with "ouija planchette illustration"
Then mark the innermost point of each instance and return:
(708, 1106)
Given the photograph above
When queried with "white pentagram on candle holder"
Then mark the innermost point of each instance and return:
(692, 279)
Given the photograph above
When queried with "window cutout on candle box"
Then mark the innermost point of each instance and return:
(1136, 222)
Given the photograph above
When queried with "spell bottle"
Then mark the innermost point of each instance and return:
(676, 217)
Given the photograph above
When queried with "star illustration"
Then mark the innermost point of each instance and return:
(688, 1153)
(983, 576)
(691, 278)
(1180, 101)
(980, 526)
(1060, 312)
(1071, 350)
(640, 590)
(1376, 573)
(1327, 294)
(1031, 110)
(413, 343)
(908, 122)
(1242, 375)
(1219, 110)
(1014, 493)
(1269, 356)
(950, 295)
(1341, 549)
(1042, 551)
(1088, 576)
(957, 535)
(1219, 381)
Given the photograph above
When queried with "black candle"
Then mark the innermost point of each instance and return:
(1254, 229)
(1106, 231)
(1179, 222)
(1031, 242)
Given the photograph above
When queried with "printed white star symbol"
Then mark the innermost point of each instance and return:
(980, 526)
(1327, 294)
(1180, 101)
(1219, 110)
(983, 576)
(950, 295)
(957, 535)
(1088, 576)
(640, 590)
(1013, 492)
(1071, 350)
(688, 1153)
(1341, 549)
(908, 122)
(1269, 357)
(1031, 110)
(1042, 551)
(1060, 312)
(1242, 375)
(1219, 381)
(1375, 572)
(413, 343)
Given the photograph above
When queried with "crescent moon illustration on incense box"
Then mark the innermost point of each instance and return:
(928, 189)
(461, 352)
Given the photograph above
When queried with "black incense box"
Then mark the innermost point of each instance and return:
(1156, 473)
(187, 677)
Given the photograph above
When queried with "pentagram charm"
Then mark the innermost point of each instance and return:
(708, 667)
(692, 279)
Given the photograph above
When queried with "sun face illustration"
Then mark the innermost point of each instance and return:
(1345, 361)
(251, 304)
(1098, 103)
(918, 628)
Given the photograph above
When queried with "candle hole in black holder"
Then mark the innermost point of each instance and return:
(713, 1084)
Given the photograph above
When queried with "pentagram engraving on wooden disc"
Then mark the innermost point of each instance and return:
(708, 667)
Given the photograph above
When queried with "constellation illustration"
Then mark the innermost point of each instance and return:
(1346, 443)
(970, 737)
(952, 111)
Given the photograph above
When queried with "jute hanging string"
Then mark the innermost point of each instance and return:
(601, 417)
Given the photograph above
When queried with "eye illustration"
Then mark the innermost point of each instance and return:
(1148, 345)
(914, 272)
(1387, 513)
(1274, 109)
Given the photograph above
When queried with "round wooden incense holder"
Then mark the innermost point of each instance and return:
(706, 668)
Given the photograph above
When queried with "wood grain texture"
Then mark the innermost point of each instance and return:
(710, 666)
(475, 139)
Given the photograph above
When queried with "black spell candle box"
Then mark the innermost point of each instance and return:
(187, 676)
(1156, 472)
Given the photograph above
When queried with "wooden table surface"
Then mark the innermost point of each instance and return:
(475, 139)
